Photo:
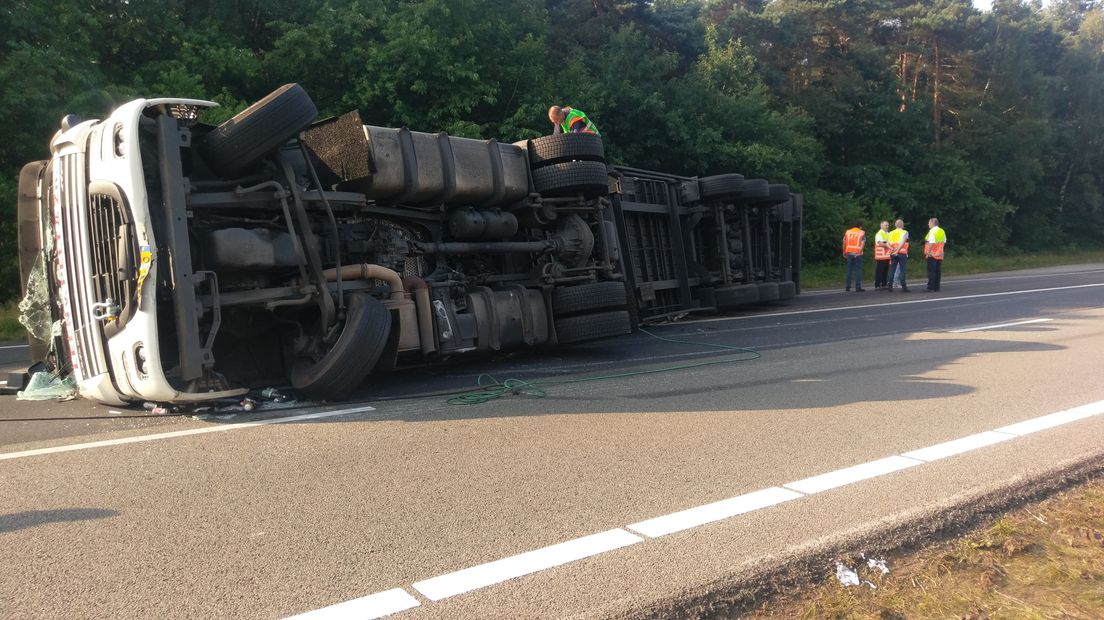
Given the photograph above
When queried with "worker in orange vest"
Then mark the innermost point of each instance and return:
(881, 256)
(853, 241)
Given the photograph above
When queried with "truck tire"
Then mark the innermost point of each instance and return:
(721, 185)
(778, 193)
(565, 147)
(735, 295)
(586, 177)
(345, 366)
(593, 326)
(755, 190)
(786, 290)
(768, 291)
(258, 130)
(588, 297)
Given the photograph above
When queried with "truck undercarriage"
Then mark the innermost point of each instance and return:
(186, 262)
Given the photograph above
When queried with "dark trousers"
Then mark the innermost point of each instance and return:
(898, 262)
(935, 273)
(854, 265)
(881, 272)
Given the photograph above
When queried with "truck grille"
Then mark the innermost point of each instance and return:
(73, 266)
(110, 234)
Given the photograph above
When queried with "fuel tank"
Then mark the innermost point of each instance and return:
(401, 166)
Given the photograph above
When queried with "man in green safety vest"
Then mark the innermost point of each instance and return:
(567, 119)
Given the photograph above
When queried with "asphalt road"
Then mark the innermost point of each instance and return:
(425, 502)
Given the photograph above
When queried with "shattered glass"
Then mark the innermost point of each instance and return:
(48, 386)
(36, 308)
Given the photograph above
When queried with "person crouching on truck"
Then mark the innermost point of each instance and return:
(881, 256)
(567, 119)
(853, 242)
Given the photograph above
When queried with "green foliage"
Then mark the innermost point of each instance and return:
(874, 108)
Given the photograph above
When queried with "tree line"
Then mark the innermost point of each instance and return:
(874, 109)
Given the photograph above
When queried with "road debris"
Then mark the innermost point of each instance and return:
(48, 386)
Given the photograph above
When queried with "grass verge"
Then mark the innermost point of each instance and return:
(10, 327)
(832, 275)
(1045, 560)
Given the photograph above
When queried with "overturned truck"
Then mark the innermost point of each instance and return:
(168, 260)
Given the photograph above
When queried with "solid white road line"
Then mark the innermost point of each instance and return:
(1035, 425)
(364, 608)
(998, 326)
(958, 446)
(498, 571)
(15, 346)
(193, 431)
(961, 280)
(891, 303)
(693, 517)
(840, 477)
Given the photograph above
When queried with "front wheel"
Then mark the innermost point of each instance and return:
(258, 130)
(333, 373)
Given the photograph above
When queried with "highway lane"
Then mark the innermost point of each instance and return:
(286, 518)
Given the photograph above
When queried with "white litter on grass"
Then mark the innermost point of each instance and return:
(849, 578)
(846, 576)
(878, 565)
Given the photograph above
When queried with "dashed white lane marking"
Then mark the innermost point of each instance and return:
(693, 517)
(958, 446)
(364, 608)
(498, 571)
(847, 475)
(998, 326)
(892, 303)
(194, 431)
(1035, 425)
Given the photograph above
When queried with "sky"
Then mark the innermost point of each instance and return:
(984, 5)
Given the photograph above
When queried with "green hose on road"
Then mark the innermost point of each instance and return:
(491, 388)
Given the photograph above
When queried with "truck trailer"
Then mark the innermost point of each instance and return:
(167, 260)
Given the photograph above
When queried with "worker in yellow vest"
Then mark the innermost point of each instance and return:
(933, 251)
(881, 256)
(898, 248)
(853, 241)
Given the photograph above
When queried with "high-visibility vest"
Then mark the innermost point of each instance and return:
(933, 243)
(853, 241)
(899, 237)
(881, 245)
(574, 115)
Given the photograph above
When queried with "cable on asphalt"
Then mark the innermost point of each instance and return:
(489, 388)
